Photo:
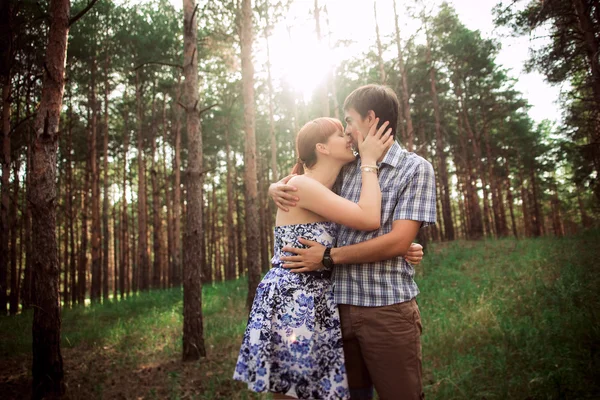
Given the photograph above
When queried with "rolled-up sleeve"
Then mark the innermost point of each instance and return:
(417, 201)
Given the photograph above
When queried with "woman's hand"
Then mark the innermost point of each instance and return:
(375, 144)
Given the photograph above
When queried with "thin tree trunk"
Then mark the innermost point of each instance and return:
(274, 178)
(177, 192)
(124, 282)
(193, 337)
(143, 263)
(4, 206)
(382, 77)
(156, 214)
(440, 151)
(231, 264)
(95, 291)
(14, 275)
(69, 204)
(242, 268)
(116, 251)
(82, 267)
(170, 252)
(47, 367)
(105, 200)
(405, 103)
(323, 91)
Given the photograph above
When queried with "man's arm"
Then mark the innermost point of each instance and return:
(396, 243)
(385, 247)
(279, 193)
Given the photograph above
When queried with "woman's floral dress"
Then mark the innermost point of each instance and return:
(293, 342)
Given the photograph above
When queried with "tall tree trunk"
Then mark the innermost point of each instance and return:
(440, 151)
(95, 175)
(231, 267)
(169, 272)
(177, 191)
(4, 206)
(382, 77)
(143, 263)
(14, 275)
(116, 250)
(332, 80)
(409, 139)
(557, 224)
(26, 295)
(124, 282)
(242, 268)
(156, 214)
(252, 223)
(69, 204)
(105, 199)
(47, 367)
(263, 241)
(538, 219)
(193, 337)
(475, 228)
(271, 112)
(323, 88)
(85, 205)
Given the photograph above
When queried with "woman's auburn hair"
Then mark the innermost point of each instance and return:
(316, 131)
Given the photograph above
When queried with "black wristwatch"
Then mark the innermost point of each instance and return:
(327, 260)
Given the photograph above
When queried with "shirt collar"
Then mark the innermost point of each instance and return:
(394, 155)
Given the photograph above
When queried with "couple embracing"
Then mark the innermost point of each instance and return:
(336, 315)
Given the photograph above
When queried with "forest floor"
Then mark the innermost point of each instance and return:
(503, 319)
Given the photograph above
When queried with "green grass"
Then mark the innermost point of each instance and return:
(502, 319)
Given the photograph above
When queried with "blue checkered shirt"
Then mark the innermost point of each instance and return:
(407, 184)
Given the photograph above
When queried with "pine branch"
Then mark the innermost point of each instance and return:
(82, 12)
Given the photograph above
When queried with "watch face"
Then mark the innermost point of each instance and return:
(327, 261)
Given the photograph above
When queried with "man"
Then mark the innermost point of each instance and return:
(373, 284)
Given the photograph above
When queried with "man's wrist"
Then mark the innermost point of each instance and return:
(335, 255)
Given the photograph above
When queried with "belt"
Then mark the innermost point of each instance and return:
(325, 273)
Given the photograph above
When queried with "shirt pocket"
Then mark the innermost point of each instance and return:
(389, 199)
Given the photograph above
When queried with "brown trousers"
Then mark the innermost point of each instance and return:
(382, 347)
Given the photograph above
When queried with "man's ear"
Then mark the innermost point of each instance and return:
(371, 117)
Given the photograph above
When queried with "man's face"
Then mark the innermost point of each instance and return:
(355, 123)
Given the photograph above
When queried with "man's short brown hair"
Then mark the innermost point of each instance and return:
(381, 99)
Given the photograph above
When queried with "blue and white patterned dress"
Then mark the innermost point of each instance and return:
(293, 342)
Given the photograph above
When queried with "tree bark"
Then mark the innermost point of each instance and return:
(193, 337)
(47, 367)
(252, 223)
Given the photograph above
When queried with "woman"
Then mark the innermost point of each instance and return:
(293, 341)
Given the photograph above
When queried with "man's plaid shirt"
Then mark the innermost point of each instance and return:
(407, 184)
